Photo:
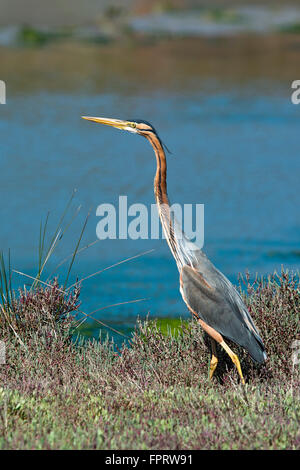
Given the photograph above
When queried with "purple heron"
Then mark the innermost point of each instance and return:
(209, 295)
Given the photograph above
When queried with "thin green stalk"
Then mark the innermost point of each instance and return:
(57, 236)
(76, 249)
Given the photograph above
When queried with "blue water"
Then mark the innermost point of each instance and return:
(236, 151)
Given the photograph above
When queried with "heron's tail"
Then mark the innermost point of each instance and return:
(256, 349)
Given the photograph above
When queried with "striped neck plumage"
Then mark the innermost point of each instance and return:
(161, 196)
(160, 180)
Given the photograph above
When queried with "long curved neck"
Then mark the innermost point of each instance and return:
(160, 180)
(161, 196)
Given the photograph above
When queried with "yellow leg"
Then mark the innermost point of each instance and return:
(214, 359)
(234, 359)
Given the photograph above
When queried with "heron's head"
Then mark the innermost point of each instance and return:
(136, 126)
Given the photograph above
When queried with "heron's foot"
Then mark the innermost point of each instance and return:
(234, 359)
(214, 358)
(213, 365)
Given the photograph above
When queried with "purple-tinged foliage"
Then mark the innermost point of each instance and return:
(45, 311)
(155, 392)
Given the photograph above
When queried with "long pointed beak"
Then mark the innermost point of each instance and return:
(108, 122)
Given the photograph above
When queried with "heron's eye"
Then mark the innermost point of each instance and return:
(133, 124)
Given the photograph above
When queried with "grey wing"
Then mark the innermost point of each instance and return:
(212, 296)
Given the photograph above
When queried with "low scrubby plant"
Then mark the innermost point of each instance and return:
(45, 311)
(153, 392)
